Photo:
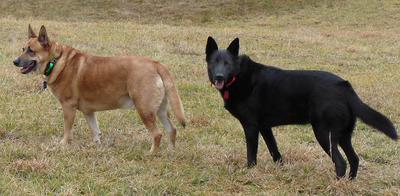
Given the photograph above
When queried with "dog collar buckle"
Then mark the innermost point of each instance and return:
(49, 67)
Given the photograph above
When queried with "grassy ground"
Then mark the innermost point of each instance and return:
(358, 40)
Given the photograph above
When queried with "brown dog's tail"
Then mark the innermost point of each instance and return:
(172, 93)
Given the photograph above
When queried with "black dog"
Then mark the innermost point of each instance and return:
(262, 97)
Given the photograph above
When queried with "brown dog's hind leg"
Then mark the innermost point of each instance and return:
(149, 120)
(92, 121)
(69, 116)
(147, 94)
(163, 116)
(148, 98)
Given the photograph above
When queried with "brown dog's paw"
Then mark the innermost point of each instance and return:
(171, 149)
(65, 141)
(96, 140)
(154, 152)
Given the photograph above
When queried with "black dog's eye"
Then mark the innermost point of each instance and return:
(23, 49)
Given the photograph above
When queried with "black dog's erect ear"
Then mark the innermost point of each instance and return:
(31, 34)
(43, 38)
(233, 48)
(211, 46)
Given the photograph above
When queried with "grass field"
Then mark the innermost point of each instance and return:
(358, 40)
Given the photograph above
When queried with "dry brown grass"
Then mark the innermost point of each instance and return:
(357, 40)
(29, 166)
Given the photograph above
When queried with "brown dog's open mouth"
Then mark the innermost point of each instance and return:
(29, 68)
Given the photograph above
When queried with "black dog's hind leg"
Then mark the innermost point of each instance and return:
(345, 143)
(271, 144)
(329, 142)
(251, 134)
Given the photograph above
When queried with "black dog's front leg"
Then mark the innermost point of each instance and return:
(271, 144)
(251, 134)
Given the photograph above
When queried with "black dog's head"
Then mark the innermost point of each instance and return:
(222, 64)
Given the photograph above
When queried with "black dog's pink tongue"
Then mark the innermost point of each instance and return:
(219, 84)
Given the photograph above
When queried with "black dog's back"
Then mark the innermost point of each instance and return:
(262, 97)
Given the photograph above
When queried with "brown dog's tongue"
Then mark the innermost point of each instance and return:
(25, 70)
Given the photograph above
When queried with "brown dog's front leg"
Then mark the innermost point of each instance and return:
(69, 116)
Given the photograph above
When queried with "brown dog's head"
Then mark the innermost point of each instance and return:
(35, 53)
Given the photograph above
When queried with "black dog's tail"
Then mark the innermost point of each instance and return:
(372, 117)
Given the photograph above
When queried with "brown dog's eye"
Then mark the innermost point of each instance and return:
(30, 50)
(23, 49)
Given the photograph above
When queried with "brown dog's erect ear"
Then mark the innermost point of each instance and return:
(233, 48)
(211, 46)
(31, 34)
(43, 38)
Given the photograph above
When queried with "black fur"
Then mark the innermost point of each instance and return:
(262, 97)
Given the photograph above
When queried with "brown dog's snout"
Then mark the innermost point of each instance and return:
(17, 62)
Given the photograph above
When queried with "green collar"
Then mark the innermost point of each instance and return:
(50, 66)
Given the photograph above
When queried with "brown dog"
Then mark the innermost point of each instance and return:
(91, 83)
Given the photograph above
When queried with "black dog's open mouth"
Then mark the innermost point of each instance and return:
(29, 68)
(219, 84)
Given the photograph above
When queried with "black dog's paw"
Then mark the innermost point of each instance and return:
(351, 178)
(344, 178)
(251, 164)
(278, 161)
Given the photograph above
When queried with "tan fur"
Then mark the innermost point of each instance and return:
(91, 83)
